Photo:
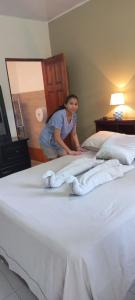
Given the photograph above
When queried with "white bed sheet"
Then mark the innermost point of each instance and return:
(69, 247)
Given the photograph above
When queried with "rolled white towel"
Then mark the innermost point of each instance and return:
(52, 179)
(108, 171)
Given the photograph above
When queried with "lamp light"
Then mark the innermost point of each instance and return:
(117, 99)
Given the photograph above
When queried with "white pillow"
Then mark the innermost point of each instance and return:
(119, 146)
(95, 141)
(124, 155)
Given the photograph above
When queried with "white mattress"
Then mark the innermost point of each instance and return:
(69, 247)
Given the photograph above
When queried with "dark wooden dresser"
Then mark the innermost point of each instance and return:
(122, 126)
(14, 156)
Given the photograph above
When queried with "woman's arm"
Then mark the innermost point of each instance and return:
(59, 141)
(74, 138)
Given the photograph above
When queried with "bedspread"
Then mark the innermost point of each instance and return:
(67, 248)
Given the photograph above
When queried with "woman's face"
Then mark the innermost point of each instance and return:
(72, 105)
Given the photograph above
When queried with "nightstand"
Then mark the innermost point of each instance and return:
(122, 126)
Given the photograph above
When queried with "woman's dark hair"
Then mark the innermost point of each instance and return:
(63, 106)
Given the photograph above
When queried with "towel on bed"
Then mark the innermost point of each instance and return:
(106, 172)
(51, 179)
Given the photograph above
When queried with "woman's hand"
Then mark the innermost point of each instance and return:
(83, 149)
(71, 152)
(79, 148)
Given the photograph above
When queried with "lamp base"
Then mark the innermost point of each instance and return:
(118, 115)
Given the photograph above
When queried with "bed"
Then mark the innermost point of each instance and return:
(68, 247)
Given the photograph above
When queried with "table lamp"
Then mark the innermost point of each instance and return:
(117, 99)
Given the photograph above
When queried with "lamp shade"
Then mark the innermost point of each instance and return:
(117, 99)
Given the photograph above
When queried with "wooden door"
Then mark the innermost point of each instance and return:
(56, 89)
(55, 81)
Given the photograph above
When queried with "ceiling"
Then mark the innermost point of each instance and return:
(44, 10)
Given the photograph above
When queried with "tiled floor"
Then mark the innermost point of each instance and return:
(12, 287)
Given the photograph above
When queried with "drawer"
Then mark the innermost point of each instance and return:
(14, 157)
(14, 151)
(10, 168)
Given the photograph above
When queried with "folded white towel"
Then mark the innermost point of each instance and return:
(51, 179)
(106, 172)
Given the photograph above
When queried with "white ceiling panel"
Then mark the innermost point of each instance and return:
(43, 10)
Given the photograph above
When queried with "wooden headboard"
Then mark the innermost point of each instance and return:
(122, 126)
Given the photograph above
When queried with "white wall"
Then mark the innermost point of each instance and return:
(20, 38)
(25, 76)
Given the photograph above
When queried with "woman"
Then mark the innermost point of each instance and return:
(59, 125)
